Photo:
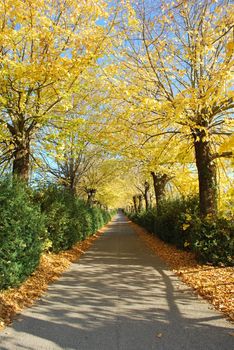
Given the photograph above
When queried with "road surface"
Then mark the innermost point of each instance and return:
(119, 296)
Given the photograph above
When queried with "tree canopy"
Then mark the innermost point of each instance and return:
(116, 100)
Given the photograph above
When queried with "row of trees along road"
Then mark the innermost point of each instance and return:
(173, 81)
(149, 82)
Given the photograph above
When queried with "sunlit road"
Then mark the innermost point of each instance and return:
(119, 296)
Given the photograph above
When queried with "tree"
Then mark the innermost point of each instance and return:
(179, 60)
(46, 50)
(160, 181)
(67, 153)
(103, 171)
(147, 195)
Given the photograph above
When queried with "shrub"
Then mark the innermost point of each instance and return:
(26, 229)
(97, 218)
(84, 220)
(170, 223)
(106, 216)
(63, 226)
(213, 240)
(68, 219)
(179, 224)
(21, 230)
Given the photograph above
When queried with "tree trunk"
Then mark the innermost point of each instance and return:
(21, 141)
(160, 182)
(206, 168)
(146, 195)
(134, 198)
(91, 195)
(72, 185)
(21, 159)
(140, 202)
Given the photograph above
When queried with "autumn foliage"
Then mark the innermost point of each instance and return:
(115, 104)
(215, 284)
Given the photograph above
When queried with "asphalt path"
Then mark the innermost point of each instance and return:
(119, 296)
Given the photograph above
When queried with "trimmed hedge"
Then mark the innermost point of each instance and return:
(68, 219)
(48, 219)
(179, 224)
(21, 229)
(62, 224)
(213, 240)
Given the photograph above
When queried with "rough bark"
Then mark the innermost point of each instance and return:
(72, 185)
(134, 198)
(146, 195)
(160, 181)
(21, 157)
(21, 142)
(140, 202)
(206, 168)
(91, 195)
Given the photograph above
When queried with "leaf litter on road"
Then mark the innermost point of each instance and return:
(14, 300)
(215, 284)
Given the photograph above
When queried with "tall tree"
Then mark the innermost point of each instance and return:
(178, 61)
(46, 49)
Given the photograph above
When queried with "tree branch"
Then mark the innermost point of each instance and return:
(227, 154)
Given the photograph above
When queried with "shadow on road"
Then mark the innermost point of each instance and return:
(119, 296)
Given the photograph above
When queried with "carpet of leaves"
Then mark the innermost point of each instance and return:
(51, 266)
(216, 284)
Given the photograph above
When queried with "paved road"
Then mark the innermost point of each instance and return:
(119, 296)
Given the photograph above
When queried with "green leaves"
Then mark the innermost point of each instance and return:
(26, 231)
(212, 240)
(68, 219)
(22, 226)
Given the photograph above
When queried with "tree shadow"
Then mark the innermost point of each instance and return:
(119, 296)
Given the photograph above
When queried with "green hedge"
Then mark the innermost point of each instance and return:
(21, 229)
(68, 219)
(62, 224)
(47, 219)
(212, 240)
(179, 224)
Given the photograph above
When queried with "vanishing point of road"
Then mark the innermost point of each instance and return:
(119, 296)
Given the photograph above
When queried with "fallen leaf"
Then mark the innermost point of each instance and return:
(159, 335)
(213, 283)
(14, 300)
